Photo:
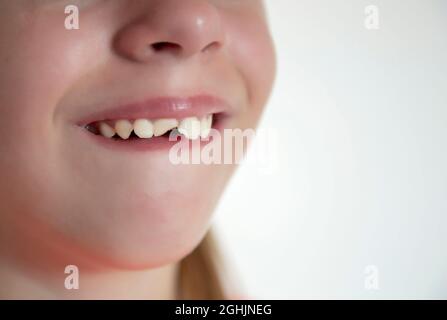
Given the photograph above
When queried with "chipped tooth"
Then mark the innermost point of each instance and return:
(205, 126)
(143, 128)
(162, 126)
(123, 128)
(106, 130)
(190, 128)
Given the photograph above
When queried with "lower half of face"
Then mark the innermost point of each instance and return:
(86, 160)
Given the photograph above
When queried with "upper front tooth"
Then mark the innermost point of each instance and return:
(190, 128)
(162, 126)
(106, 130)
(205, 126)
(123, 128)
(143, 128)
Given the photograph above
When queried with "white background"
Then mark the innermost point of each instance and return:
(361, 171)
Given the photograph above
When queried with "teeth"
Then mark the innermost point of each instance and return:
(205, 126)
(162, 126)
(106, 130)
(143, 128)
(123, 128)
(190, 128)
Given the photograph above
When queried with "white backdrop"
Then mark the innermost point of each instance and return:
(356, 204)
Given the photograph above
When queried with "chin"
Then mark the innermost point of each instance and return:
(146, 252)
(146, 235)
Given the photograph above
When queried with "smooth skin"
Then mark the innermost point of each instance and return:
(124, 219)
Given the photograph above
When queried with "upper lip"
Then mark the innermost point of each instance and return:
(161, 107)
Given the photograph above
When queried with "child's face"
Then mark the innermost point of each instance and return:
(126, 206)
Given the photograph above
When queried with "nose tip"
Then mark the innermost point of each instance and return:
(171, 27)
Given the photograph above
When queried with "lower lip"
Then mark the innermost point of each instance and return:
(144, 145)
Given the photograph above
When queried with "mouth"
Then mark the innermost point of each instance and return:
(157, 123)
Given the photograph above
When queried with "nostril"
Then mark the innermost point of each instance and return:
(212, 47)
(165, 46)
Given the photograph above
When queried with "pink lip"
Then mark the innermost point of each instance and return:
(151, 144)
(157, 108)
(162, 107)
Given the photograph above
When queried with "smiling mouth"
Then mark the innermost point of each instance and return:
(158, 122)
(191, 128)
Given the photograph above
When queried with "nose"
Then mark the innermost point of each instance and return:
(180, 28)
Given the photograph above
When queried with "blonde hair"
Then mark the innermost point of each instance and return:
(200, 274)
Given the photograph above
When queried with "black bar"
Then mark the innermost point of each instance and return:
(229, 309)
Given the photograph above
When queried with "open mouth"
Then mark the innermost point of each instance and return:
(154, 134)
(157, 122)
(122, 130)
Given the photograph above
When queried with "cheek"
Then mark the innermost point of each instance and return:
(39, 60)
(252, 49)
(45, 61)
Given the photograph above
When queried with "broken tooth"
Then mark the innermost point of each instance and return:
(143, 128)
(106, 130)
(190, 128)
(123, 128)
(162, 126)
(205, 126)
